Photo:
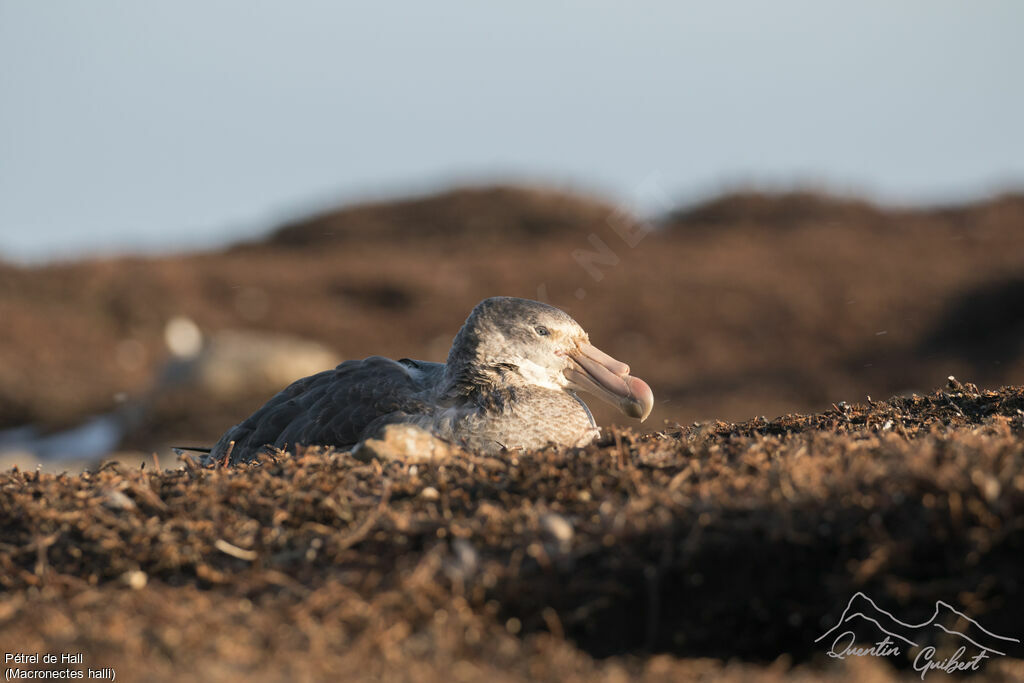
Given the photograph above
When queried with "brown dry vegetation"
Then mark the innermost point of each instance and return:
(658, 556)
(747, 305)
(714, 550)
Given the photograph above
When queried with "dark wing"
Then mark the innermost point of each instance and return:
(331, 408)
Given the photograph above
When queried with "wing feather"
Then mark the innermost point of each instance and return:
(331, 408)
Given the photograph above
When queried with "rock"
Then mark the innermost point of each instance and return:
(405, 442)
(136, 579)
(557, 527)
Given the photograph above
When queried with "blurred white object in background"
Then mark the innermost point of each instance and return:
(183, 337)
(72, 449)
(226, 366)
(233, 363)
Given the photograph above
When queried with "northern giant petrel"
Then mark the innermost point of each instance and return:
(511, 382)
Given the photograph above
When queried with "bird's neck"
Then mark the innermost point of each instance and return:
(490, 386)
(467, 370)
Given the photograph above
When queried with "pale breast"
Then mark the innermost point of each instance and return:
(537, 418)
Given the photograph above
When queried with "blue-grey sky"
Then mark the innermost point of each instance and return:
(130, 125)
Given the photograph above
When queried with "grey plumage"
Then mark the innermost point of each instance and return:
(504, 386)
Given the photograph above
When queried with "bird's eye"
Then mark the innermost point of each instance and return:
(541, 330)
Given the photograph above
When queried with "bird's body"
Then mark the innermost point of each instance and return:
(508, 383)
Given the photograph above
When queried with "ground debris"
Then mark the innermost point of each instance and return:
(654, 556)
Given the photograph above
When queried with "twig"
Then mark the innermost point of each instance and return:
(227, 455)
(955, 406)
(234, 551)
(368, 523)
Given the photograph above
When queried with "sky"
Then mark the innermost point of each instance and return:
(128, 126)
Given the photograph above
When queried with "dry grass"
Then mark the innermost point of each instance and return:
(658, 556)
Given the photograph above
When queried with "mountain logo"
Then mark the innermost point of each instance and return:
(864, 621)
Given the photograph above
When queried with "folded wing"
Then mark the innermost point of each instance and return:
(334, 407)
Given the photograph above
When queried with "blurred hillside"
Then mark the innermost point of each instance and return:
(746, 304)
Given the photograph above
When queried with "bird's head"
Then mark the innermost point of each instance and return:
(543, 346)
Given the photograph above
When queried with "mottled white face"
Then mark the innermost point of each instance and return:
(550, 350)
(543, 360)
